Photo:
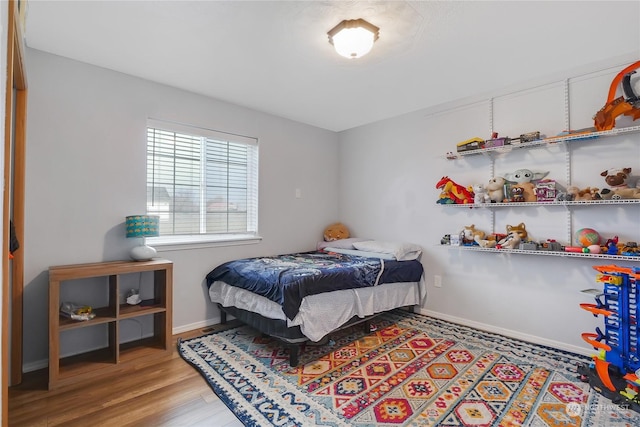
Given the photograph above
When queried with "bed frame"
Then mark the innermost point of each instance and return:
(291, 337)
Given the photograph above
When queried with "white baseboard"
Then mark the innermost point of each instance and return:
(507, 332)
(196, 325)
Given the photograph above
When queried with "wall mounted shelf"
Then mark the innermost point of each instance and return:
(546, 253)
(544, 142)
(538, 204)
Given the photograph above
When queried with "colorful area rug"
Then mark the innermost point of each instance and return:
(413, 370)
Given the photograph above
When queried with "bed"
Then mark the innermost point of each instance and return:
(303, 297)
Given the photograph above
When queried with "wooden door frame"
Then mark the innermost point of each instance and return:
(13, 204)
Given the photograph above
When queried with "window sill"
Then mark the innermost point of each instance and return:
(178, 243)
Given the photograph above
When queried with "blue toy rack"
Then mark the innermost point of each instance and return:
(614, 370)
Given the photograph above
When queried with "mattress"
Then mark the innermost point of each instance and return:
(322, 313)
(287, 279)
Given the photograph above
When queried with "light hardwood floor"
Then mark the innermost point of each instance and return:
(169, 392)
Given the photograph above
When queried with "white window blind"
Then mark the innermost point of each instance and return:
(202, 183)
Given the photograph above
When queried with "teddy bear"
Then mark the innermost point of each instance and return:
(495, 189)
(480, 194)
(336, 231)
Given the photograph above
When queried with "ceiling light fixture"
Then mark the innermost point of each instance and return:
(353, 38)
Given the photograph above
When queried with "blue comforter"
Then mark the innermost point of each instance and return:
(287, 279)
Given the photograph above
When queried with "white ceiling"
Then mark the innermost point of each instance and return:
(273, 56)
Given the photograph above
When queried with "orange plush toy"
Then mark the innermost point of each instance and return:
(336, 231)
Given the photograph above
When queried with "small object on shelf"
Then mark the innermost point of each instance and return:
(630, 249)
(550, 245)
(469, 144)
(480, 194)
(528, 246)
(595, 249)
(133, 297)
(586, 237)
(76, 311)
(545, 190)
(517, 194)
(454, 239)
(446, 239)
(495, 141)
(142, 226)
(530, 136)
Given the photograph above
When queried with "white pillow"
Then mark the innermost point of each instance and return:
(400, 250)
(340, 243)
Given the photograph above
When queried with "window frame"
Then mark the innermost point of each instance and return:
(192, 241)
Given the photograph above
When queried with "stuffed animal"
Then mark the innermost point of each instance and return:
(336, 231)
(495, 189)
(470, 232)
(588, 193)
(485, 243)
(480, 194)
(520, 229)
(512, 241)
(524, 175)
(454, 191)
(618, 179)
(517, 194)
(528, 192)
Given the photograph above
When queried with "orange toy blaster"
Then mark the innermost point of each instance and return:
(605, 119)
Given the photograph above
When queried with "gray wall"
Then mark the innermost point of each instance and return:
(86, 160)
(388, 174)
(85, 172)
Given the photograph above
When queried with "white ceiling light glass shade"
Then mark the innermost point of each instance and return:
(353, 38)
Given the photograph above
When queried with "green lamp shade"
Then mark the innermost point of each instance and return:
(142, 226)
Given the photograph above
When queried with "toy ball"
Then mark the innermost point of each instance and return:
(593, 249)
(586, 237)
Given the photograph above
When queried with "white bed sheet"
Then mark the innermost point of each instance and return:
(322, 313)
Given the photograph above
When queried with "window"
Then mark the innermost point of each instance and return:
(202, 183)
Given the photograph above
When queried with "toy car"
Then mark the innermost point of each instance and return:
(469, 144)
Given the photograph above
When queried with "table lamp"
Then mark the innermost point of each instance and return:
(142, 226)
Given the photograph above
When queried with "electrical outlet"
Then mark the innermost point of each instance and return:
(437, 281)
